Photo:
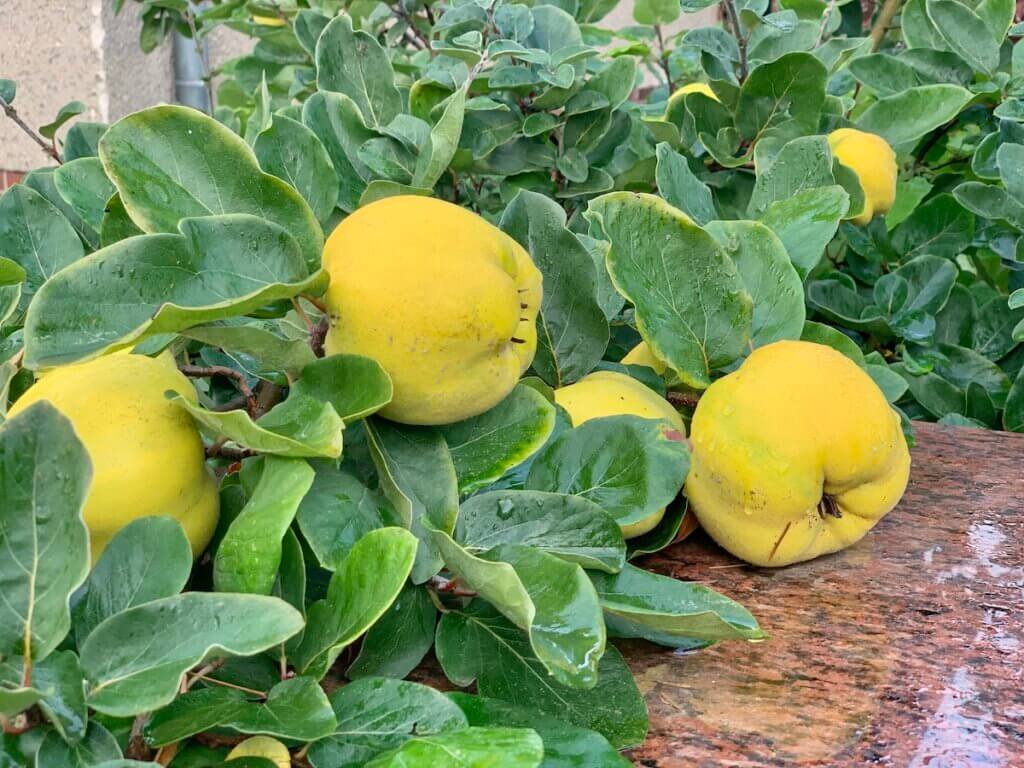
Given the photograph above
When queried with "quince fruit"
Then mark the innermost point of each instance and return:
(641, 354)
(262, 746)
(795, 454)
(690, 88)
(872, 159)
(445, 301)
(610, 393)
(147, 455)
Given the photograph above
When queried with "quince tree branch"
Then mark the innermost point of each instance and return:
(46, 146)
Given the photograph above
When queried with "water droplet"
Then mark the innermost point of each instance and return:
(727, 411)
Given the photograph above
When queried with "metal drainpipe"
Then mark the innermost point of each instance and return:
(189, 65)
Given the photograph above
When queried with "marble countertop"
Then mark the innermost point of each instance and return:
(904, 650)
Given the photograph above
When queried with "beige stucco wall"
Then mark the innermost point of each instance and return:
(60, 50)
(73, 49)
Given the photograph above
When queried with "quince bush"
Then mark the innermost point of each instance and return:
(446, 285)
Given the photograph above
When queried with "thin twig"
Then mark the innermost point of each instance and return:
(318, 303)
(663, 58)
(205, 371)
(737, 31)
(302, 314)
(137, 748)
(242, 688)
(203, 55)
(824, 20)
(881, 25)
(46, 146)
(422, 42)
(166, 754)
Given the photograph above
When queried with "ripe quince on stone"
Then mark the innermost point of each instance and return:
(146, 453)
(796, 454)
(445, 301)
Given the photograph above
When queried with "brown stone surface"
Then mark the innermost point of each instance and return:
(905, 650)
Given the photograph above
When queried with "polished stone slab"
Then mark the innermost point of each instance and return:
(904, 650)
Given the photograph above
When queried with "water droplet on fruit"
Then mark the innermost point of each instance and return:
(727, 411)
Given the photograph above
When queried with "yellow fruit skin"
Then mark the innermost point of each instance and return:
(610, 393)
(872, 159)
(268, 21)
(263, 746)
(691, 88)
(641, 355)
(147, 456)
(796, 420)
(436, 295)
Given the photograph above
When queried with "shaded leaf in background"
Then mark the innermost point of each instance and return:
(678, 185)
(807, 222)
(397, 643)
(468, 748)
(418, 478)
(57, 688)
(293, 153)
(98, 746)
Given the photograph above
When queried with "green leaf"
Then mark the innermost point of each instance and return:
(655, 11)
(478, 643)
(117, 225)
(629, 466)
(572, 330)
(638, 603)
(397, 643)
(86, 188)
(293, 153)
(300, 427)
(339, 125)
(1010, 159)
(128, 291)
(376, 715)
(790, 89)
(934, 393)
(41, 181)
(57, 688)
(770, 277)
(45, 474)
(681, 188)
(568, 526)
(443, 142)
(909, 115)
(338, 511)
(418, 477)
(98, 746)
(171, 163)
(939, 227)
(1013, 415)
(691, 305)
(134, 669)
(271, 352)
(296, 708)
(361, 590)
(993, 329)
(485, 447)
(354, 63)
(82, 140)
(148, 559)
(830, 337)
(963, 366)
(803, 163)
(565, 746)
(249, 554)
(67, 112)
(806, 223)
(8, 89)
(354, 385)
(11, 273)
(35, 236)
(468, 748)
(965, 33)
(549, 598)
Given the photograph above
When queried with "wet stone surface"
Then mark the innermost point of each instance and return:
(904, 650)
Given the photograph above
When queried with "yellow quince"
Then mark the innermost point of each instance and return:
(795, 454)
(262, 746)
(147, 455)
(610, 393)
(641, 354)
(443, 300)
(871, 158)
